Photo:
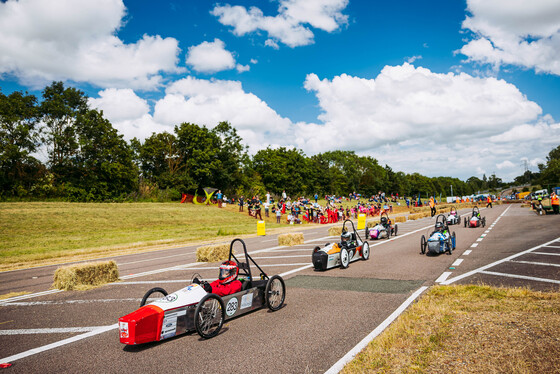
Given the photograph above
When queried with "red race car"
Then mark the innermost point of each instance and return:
(476, 220)
(192, 308)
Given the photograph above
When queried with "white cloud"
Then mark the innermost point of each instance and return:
(210, 57)
(288, 26)
(242, 68)
(517, 32)
(75, 40)
(407, 117)
(415, 120)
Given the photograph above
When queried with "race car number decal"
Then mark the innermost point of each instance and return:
(231, 306)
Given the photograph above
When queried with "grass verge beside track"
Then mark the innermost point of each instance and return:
(469, 329)
(52, 232)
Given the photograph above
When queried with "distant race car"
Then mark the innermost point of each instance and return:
(192, 308)
(439, 241)
(453, 218)
(476, 220)
(383, 230)
(351, 248)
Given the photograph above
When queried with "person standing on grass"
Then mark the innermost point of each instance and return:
(241, 203)
(278, 215)
(219, 197)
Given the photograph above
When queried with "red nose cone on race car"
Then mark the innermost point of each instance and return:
(141, 326)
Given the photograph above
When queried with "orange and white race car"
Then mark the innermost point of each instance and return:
(350, 248)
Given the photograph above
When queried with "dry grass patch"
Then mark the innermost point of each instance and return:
(85, 276)
(212, 253)
(469, 329)
(13, 294)
(290, 239)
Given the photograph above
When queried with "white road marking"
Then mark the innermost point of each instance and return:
(467, 252)
(28, 296)
(457, 262)
(483, 268)
(274, 257)
(474, 245)
(479, 239)
(552, 246)
(59, 330)
(443, 276)
(536, 263)
(546, 253)
(47, 347)
(521, 277)
(64, 302)
(378, 330)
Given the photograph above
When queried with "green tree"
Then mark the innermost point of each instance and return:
(19, 138)
(550, 173)
(59, 111)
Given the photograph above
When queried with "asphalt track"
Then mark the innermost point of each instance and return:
(327, 316)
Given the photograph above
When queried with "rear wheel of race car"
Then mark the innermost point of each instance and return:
(484, 222)
(423, 244)
(396, 229)
(275, 293)
(466, 222)
(454, 240)
(365, 251)
(449, 246)
(459, 220)
(344, 258)
(156, 290)
(209, 316)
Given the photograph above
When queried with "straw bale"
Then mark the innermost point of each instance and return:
(371, 224)
(85, 275)
(335, 231)
(400, 219)
(290, 239)
(212, 253)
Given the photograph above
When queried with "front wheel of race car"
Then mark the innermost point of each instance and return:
(365, 251)
(484, 222)
(459, 221)
(466, 222)
(396, 229)
(155, 290)
(344, 258)
(275, 293)
(423, 244)
(454, 240)
(209, 316)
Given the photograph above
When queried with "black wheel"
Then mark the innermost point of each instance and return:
(454, 240)
(150, 292)
(344, 258)
(367, 232)
(423, 244)
(275, 293)
(209, 316)
(459, 220)
(466, 222)
(396, 229)
(484, 222)
(449, 246)
(365, 251)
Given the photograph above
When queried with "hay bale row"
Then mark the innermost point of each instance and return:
(86, 275)
(400, 219)
(291, 239)
(212, 253)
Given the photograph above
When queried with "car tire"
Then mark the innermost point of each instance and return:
(454, 240)
(396, 229)
(275, 293)
(466, 222)
(449, 246)
(150, 292)
(484, 222)
(344, 258)
(365, 251)
(423, 244)
(459, 221)
(209, 316)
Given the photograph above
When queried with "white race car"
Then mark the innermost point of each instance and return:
(192, 308)
(351, 248)
(453, 218)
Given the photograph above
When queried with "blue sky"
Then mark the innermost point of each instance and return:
(439, 87)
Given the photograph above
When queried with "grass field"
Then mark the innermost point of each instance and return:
(469, 329)
(37, 233)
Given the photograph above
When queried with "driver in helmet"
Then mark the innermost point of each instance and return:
(227, 283)
(439, 227)
(345, 238)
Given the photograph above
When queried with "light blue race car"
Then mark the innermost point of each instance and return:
(440, 240)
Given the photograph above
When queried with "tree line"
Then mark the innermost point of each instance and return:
(88, 160)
